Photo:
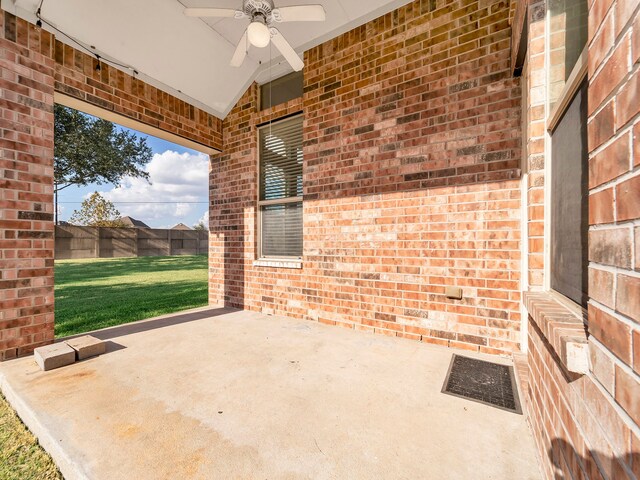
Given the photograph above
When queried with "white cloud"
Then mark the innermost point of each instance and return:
(176, 178)
(205, 218)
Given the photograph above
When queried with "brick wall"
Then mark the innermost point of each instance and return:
(587, 426)
(33, 65)
(26, 190)
(124, 94)
(614, 213)
(411, 183)
(535, 134)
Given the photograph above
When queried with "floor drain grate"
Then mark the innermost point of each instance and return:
(485, 382)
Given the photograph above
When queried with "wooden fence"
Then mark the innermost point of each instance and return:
(102, 242)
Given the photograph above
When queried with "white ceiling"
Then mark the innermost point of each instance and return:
(189, 57)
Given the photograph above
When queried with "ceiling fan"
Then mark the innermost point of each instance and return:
(261, 30)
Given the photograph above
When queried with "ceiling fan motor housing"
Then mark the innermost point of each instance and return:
(262, 31)
(258, 9)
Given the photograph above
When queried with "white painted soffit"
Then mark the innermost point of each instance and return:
(189, 57)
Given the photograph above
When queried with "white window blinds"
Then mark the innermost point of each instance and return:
(280, 199)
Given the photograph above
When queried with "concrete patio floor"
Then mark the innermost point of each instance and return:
(217, 393)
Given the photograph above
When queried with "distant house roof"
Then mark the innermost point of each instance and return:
(132, 222)
(181, 226)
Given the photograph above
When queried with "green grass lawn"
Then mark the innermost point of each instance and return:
(21, 457)
(98, 293)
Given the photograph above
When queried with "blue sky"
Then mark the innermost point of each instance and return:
(178, 191)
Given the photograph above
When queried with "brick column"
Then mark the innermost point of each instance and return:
(26, 187)
(232, 199)
(614, 211)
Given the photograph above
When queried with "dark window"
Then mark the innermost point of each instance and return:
(570, 201)
(281, 90)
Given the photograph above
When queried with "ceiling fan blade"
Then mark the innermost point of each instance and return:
(286, 50)
(241, 51)
(213, 12)
(300, 13)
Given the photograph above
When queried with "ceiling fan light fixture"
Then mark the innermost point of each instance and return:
(262, 30)
(258, 33)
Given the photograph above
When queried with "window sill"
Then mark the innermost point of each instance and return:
(564, 331)
(277, 263)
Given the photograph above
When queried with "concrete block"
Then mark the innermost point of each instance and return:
(577, 356)
(87, 346)
(454, 293)
(54, 356)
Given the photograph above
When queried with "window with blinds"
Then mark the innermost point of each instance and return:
(280, 192)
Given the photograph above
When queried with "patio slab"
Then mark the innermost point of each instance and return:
(217, 393)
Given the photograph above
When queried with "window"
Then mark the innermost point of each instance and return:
(570, 201)
(567, 39)
(280, 193)
(568, 170)
(281, 90)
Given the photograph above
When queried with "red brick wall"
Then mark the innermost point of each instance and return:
(26, 190)
(411, 183)
(117, 91)
(32, 66)
(614, 212)
(588, 426)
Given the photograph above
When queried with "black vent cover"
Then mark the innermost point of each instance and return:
(485, 382)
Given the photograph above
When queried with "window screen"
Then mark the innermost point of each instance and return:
(280, 199)
(281, 90)
(570, 201)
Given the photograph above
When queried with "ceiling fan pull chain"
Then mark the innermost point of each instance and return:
(270, 84)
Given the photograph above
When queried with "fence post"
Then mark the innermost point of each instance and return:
(169, 240)
(98, 237)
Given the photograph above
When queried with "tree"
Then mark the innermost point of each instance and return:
(200, 226)
(91, 150)
(96, 211)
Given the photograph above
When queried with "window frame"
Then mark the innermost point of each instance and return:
(281, 201)
(577, 76)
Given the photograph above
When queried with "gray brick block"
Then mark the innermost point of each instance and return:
(87, 346)
(54, 356)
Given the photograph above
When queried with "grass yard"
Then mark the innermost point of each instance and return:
(98, 293)
(21, 457)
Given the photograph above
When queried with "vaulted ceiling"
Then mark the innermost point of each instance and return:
(189, 57)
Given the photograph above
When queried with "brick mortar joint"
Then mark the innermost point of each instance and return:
(623, 30)
(633, 326)
(613, 95)
(624, 416)
(629, 174)
(616, 43)
(617, 224)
